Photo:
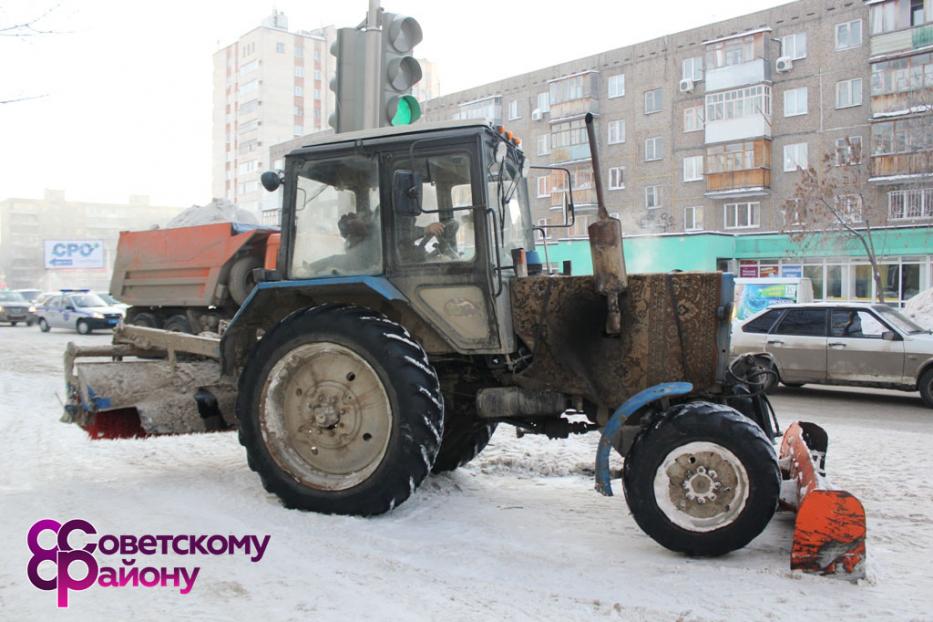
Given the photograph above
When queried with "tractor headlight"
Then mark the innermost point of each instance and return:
(97, 316)
(32, 309)
(1, 308)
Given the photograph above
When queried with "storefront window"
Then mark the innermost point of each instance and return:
(861, 282)
(910, 277)
(834, 283)
(815, 274)
(890, 282)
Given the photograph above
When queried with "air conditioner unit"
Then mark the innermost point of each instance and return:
(686, 85)
(536, 115)
(784, 64)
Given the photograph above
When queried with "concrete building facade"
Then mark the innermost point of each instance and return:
(703, 133)
(26, 225)
(270, 85)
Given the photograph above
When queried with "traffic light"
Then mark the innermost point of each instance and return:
(400, 70)
(349, 83)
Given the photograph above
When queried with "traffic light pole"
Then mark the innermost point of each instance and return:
(372, 103)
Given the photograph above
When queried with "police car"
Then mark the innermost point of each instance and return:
(78, 309)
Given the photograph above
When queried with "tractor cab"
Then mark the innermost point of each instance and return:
(431, 212)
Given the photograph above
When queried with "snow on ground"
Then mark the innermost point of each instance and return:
(518, 534)
(920, 308)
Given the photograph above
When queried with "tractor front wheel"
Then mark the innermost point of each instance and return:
(340, 411)
(704, 480)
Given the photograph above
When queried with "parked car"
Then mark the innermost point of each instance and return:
(29, 294)
(870, 345)
(81, 310)
(14, 308)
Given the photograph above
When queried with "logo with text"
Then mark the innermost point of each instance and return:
(65, 567)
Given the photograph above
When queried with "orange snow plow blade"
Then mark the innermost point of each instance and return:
(829, 532)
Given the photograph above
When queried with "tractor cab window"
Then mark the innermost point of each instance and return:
(508, 197)
(444, 230)
(337, 218)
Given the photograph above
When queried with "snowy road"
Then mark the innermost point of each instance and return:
(519, 534)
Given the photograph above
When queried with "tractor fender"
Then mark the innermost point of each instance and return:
(613, 427)
(272, 301)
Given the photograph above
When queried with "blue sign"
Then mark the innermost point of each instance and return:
(792, 271)
(74, 254)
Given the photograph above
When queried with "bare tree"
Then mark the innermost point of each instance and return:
(27, 29)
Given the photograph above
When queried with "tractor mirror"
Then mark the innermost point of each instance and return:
(406, 193)
(270, 180)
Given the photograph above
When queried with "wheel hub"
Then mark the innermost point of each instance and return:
(326, 416)
(701, 486)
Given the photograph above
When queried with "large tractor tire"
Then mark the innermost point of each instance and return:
(465, 435)
(340, 411)
(178, 323)
(144, 319)
(240, 281)
(703, 480)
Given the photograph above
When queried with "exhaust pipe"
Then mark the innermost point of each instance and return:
(606, 245)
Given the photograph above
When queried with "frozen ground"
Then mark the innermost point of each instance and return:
(519, 534)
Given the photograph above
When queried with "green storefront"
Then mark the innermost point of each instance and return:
(835, 262)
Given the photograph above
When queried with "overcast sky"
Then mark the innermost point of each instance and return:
(127, 84)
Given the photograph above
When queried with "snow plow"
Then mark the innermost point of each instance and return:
(409, 315)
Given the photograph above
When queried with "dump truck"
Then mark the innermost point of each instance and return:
(188, 279)
(400, 327)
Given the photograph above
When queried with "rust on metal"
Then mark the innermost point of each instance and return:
(561, 320)
(830, 527)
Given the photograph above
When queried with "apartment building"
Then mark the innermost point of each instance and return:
(27, 226)
(702, 134)
(270, 85)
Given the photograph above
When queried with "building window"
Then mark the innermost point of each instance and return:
(916, 13)
(298, 130)
(616, 85)
(910, 204)
(848, 150)
(745, 215)
(693, 119)
(731, 52)
(794, 46)
(739, 103)
(692, 69)
(543, 187)
(617, 178)
(299, 91)
(849, 35)
(653, 101)
(544, 103)
(693, 218)
(248, 87)
(795, 156)
(280, 47)
(653, 147)
(902, 136)
(795, 102)
(850, 207)
(513, 110)
(849, 93)
(693, 168)
(299, 72)
(652, 197)
(581, 86)
(568, 133)
(616, 132)
(544, 144)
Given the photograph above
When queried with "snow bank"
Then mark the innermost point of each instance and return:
(920, 308)
(218, 210)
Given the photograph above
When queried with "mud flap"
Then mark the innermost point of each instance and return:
(830, 527)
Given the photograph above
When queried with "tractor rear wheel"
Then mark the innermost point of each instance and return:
(464, 437)
(241, 281)
(704, 481)
(340, 411)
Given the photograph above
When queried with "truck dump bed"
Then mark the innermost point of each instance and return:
(184, 266)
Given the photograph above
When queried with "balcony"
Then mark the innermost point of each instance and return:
(901, 168)
(572, 153)
(753, 126)
(574, 108)
(754, 71)
(746, 183)
(902, 40)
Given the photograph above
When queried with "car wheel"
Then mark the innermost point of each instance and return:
(925, 386)
(793, 385)
(13, 323)
(83, 328)
(43, 325)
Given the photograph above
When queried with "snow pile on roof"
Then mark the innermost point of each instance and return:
(920, 308)
(218, 210)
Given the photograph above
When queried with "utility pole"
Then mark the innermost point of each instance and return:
(371, 101)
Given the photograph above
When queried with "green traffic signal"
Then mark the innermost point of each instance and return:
(407, 110)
